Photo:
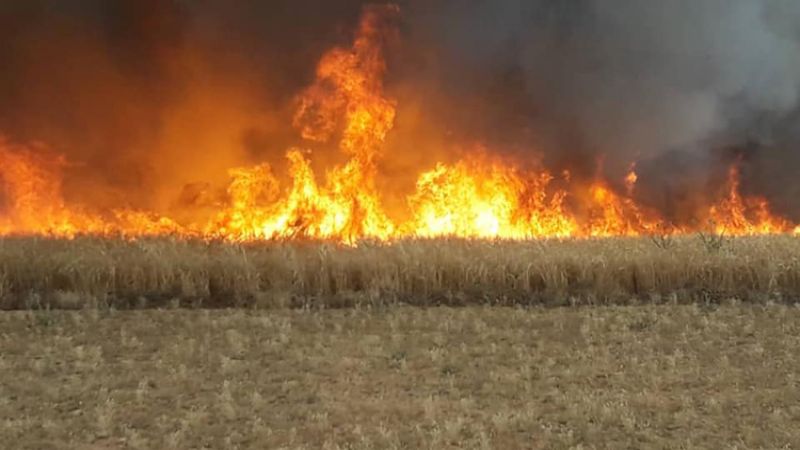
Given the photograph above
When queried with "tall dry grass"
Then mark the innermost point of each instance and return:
(41, 273)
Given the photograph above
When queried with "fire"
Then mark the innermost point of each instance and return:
(34, 202)
(250, 187)
(630, 179)
(32, 187)
(735, 215)
(347, 107)
(613, 215)
(616, 215)
(485, 200)
(350, 85)
(349, 89)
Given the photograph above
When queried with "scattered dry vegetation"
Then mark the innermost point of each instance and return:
(45, 273)
(653, 376)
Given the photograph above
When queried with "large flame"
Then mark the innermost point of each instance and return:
(348, 94)
(478, 197)
(481, 199)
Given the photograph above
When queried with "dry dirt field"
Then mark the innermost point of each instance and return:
(652, 376)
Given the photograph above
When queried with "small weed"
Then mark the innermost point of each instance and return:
(449, 370)
(713, 242)
(398, 360)
(43, 317)
(664, 241)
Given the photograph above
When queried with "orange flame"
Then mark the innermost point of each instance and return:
(349, 85)
(630, 179)
(32, 187)
(478, 197)
(738, 216)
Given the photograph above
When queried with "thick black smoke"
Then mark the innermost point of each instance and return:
(684, 87)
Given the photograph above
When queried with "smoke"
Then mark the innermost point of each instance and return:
(669, 84)
(145, 96)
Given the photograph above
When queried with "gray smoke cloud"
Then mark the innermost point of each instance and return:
(681, 86)
(682, 66)
(672, 84)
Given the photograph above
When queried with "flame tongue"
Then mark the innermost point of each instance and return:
(349, 85)
(735, 215)
(478, 197)
(32, 186)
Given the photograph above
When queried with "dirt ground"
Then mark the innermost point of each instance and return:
(402, 377)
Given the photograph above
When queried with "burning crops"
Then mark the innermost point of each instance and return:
(482, 195)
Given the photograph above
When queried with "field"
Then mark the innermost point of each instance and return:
(403, 377)
(692, 342)
(43, 273)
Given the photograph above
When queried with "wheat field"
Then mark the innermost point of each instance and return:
(68, 274)
(689, 342)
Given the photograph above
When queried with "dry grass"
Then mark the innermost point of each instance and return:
(474, 377)
(42, 273)
(719, 372)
